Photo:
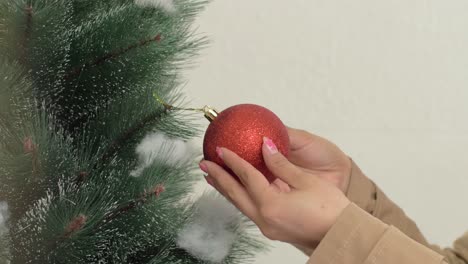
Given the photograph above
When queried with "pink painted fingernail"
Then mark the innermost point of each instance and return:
(219, 151)
(270, 145)
(203, 167)
(209, 180)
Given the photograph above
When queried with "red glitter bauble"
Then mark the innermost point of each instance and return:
(241, 128)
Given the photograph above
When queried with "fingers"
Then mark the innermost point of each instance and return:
(308, 150)
(281, 186)
(280, 166)
(225, 183)
(255, 182)
(299, 138)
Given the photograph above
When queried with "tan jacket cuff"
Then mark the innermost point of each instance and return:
(361, 190)
(358, 238)
(344, 242)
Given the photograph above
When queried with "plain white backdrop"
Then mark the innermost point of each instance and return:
(385, 80)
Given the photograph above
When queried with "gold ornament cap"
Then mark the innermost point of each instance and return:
(210, 113)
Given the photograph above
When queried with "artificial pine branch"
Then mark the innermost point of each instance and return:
(28, 10)
(111, 55)
(154, 193)
(119, 142)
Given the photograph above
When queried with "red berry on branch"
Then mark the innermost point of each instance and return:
(158, 189)
(75, 225)
(28, 145)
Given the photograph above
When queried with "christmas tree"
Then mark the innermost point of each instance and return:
(92, 168)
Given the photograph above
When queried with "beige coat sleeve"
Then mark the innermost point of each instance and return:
(359, 238)
(375, 230)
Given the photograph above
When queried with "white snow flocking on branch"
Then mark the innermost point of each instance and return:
(4, 214)
(167, 5)
(210, 234)
(157, 147)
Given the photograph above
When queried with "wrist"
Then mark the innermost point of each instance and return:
(331, 214)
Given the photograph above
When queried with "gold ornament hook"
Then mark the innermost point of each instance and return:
(209, 112)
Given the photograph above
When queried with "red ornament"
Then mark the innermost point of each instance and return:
(241, 128)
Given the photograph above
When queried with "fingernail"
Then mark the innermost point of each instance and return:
(219, 151)
(209, 180)
(203, 167)
(270, 145)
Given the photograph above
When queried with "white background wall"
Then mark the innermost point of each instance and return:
(385, 80)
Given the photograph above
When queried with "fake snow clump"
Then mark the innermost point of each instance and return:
(210, 234)
(157, 147)
(3, 217)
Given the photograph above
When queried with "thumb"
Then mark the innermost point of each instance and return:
(280, 166)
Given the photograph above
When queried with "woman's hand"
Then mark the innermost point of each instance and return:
(302, 215)
(320, 157)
